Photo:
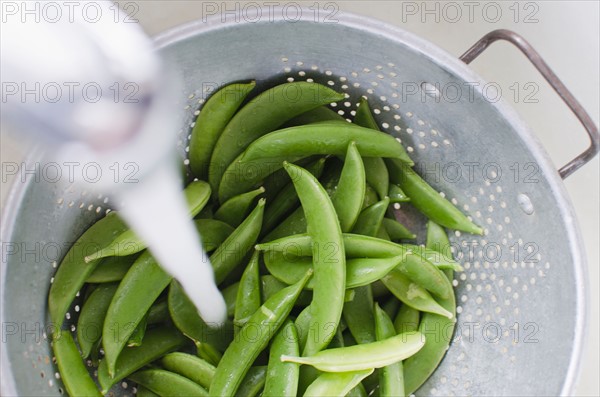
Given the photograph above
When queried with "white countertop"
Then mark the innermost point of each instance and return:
(566, 34)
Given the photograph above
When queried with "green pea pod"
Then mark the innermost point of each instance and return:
(248, 296)
(396, 195)
(287, 199)
(263, 114)
(383, 234)
(212, 232)
(317, 115)
(136, 293)
(143, 392)
(213, 117)
(73, 372)
(377, 173)
(357, 391)
(391, 377)
(127, 243)
(359, 272)
(360, 357)
(242, 352)
(370, 197)
(270, 286)
(265, 154)
(437, 240)
(322, 113)
(396, 230)
(427, 200)
(282, 378)
(186, 318)
(91, 318)
(407, 320)
(111, 269)
(350, 193)
(302, 324)
(426, 275)
(337, 341)
(157, 343)
(439, 329)
(159, 312)
(333, 138)
(235, 210)
(166, 383)
(369, 220)
(336, 384)
(358, 314)
(231, 253)
(391, 306)
(137, 336)
(412, 294)
(253, 382)
(359, 246)
(230, 296)
(208, 353)
(192, 367)
(329, 261)
(73, 270)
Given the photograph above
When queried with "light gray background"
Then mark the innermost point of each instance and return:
(566, 33)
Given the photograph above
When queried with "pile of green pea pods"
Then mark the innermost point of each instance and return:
(325, 297)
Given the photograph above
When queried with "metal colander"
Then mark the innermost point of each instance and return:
(521, 298)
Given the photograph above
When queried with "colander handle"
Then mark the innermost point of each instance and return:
(568, 98)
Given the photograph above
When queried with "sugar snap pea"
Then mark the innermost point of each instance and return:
(336, 384)
(396, 230)
(329, 267)
(192, 367)
(167, 383)
(282, 378)
(263, 114)
(437, 240)
(253, 382)
(248, 296)
(287, 199)
(136, 293)
(322, 113)
(412, 294)
(127, 243)
(91, 318)
(159, 312)
(73, 271)
(407, 319)
(212, 232)
(143, 392)
(427, 200)
(377, 172)
(369, 220)
(360, 357)
(349, 196)
(359, 271)
(157, 342)
(327, 138)
(242, 352)
(186, 319)
(138, 333)
(208, 352)
(233, 250)
(73, 372)
(111, 269)
(391, 377)
(357, 391)
(358, 314)
(438, 329)
(359, 246)
(396, 194)
(214, 116)
(235, 210)
(391, 306)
